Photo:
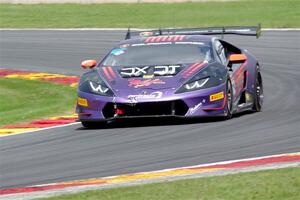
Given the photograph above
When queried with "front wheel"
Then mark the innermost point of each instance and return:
(229, 99)
(259, 93)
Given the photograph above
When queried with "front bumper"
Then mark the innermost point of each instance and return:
(206, 102)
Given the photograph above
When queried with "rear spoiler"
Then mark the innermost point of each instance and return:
(235, 30)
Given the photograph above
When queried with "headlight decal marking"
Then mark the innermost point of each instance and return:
(98, 88)
(196, 84)
(211, 76)
(91, 82)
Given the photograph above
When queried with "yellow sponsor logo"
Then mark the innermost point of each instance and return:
(148, 76)
(217, 96)
(82, 102)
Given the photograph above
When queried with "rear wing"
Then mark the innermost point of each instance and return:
(235, 30)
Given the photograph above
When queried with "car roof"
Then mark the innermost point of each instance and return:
(170, 38)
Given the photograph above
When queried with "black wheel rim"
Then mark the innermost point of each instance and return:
(229, 97)
(259, 90)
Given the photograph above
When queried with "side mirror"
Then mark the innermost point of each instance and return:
(88, 64)
(237, 58)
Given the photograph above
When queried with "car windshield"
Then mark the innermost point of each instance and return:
(159, 54)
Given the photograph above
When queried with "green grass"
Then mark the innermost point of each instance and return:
(280, 184)
(25, 100)
(271, 13)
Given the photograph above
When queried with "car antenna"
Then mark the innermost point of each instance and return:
(223, 31)
(258, 31)
(159, 31)
(127, 37)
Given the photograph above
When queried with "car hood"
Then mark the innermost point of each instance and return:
(139, 81)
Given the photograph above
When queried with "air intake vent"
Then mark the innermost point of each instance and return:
(166, 108)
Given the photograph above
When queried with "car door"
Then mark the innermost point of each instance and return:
(237, 70)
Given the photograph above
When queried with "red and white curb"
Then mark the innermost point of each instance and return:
(211, 169)
(37, 125)
(47, 77)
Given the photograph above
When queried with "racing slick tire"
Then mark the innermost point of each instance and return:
(229, 99)
(259, 92)
(93, 124)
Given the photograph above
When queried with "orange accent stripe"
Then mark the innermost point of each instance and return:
(240, 69)
(185, 73)
(237, 78)
(112, 72)
(106, 73)
(193, 65)
(195, 69)
(191, 70)
(237, 73)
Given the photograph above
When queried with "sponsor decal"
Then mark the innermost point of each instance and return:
(153, 95)
(217, 96)
(160, 70)
(136, 83)
(148, 76)
(119, 51)
(166, 70)
(133, 71)
(196, 107)
(82, 102)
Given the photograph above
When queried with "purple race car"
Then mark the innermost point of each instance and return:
(171, 73)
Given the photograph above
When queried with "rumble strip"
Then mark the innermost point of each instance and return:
(212, 169)
(39, 124)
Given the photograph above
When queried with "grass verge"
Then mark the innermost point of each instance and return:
(271, 13)
(276, 184)
(26, 100)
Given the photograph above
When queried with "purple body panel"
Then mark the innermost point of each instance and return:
(197, 102)
(131, 91)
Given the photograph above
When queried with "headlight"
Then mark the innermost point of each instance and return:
(210, 76)
(196, 84)
(92, 83)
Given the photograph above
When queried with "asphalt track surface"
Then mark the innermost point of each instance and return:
(71, 153)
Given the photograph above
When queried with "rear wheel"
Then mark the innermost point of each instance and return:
(93, 124)
(259, 92)
(229, 99)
